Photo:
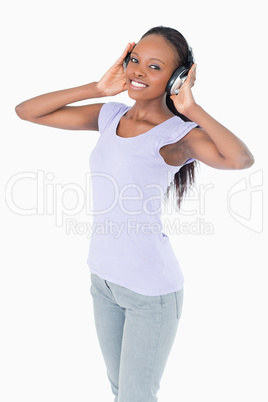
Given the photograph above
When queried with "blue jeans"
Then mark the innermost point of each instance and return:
(136, 334)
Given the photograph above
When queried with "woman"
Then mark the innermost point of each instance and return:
(136, 281)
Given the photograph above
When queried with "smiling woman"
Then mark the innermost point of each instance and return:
(136, 281)
(164, 59)
(151, 64)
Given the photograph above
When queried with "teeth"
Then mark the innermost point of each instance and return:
(138, 84)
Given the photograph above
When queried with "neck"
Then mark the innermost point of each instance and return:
(150, 109)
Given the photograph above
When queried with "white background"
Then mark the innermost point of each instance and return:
(49, 348)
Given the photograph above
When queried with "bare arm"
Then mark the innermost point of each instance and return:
(51, 109)
(214, 144)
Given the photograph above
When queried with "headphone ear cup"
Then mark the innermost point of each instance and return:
(126, 61)
(176, 80)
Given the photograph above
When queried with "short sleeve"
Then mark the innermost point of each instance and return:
(189, 161)
(174, 132)
(108, 113)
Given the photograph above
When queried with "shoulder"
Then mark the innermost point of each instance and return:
(200, 146)
(113, 107)
(176, 130)
(193, 139)
(196, 136)
(108, 112)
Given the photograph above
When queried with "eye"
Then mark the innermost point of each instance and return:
(133, 60)
(154, 67)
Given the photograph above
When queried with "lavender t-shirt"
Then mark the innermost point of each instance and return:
(129, 179)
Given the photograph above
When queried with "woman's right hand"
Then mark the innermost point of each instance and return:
(114, 80)
(51, 109)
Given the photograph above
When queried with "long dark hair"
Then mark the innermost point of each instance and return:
(185, 177)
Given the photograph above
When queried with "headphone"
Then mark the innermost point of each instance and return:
(179, 75)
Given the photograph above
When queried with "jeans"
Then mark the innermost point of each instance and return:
(135, 334)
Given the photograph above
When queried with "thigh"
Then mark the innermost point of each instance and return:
(150, 328)
(109, 321)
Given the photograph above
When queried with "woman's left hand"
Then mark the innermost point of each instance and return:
(184, 99)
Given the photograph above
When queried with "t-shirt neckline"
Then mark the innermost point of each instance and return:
(140, 135)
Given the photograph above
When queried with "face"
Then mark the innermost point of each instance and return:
(152, 62)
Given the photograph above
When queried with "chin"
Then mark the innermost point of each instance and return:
(142, 96)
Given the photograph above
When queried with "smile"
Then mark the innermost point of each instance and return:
(138, 84)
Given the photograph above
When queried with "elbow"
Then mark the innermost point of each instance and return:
(245, 162)
(19, 112)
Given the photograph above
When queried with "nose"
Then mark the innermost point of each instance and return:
(138, 71)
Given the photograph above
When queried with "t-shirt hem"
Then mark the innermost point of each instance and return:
(134, 289)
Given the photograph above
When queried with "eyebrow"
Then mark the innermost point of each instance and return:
(151, 58)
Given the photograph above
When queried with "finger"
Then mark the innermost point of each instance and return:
(193, 74)
(192, 70)
(127, 49)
